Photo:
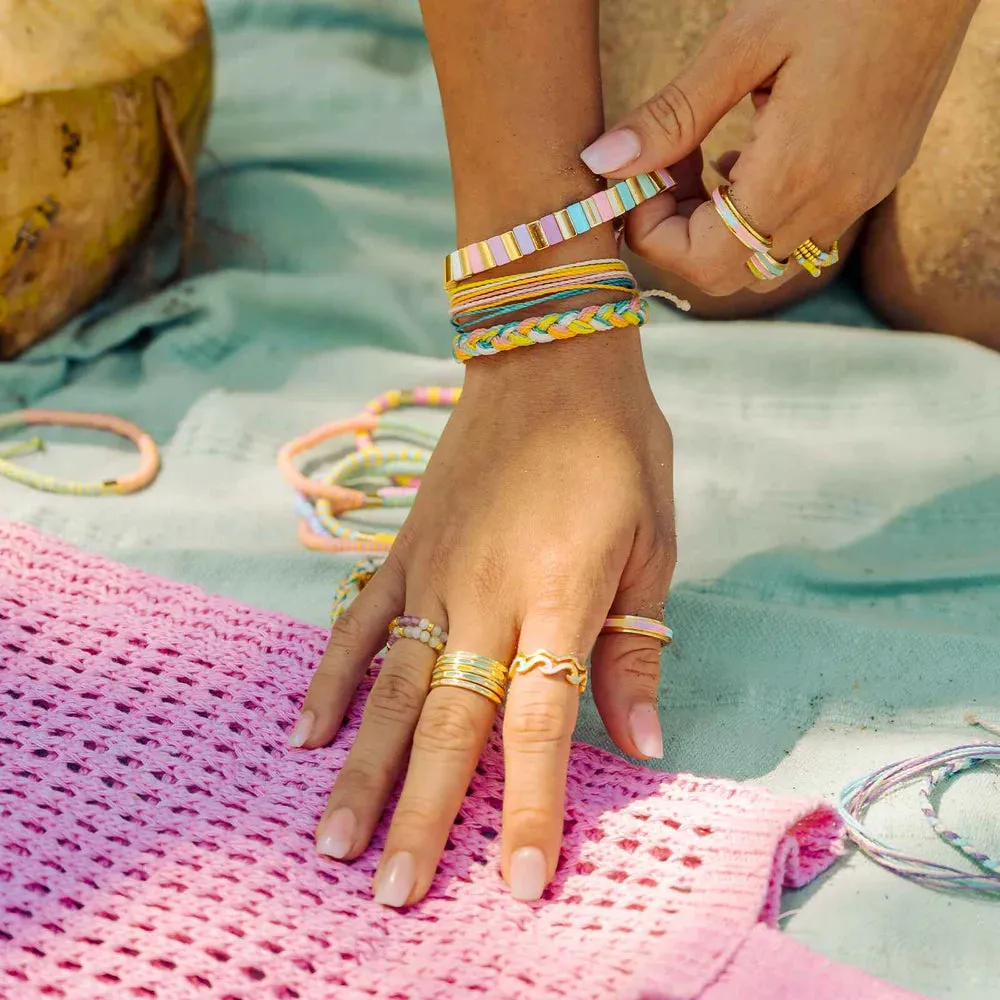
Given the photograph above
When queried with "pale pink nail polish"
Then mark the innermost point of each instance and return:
(303, 727)
(338, 833)
(644, 728)
(612, 151)
(396, 880)
(528, 874)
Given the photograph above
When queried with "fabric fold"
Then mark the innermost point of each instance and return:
(156, 835)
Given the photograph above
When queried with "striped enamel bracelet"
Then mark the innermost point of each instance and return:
(554, 228)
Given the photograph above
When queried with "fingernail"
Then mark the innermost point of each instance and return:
(612, 151)
(303, 727)
(528, 873)
(396, 881)
(644, 726)
(338, 834)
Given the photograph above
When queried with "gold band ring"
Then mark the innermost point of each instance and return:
(652, 628)
(574, 672)
(764, 267)
(471, 672)
(812, 259)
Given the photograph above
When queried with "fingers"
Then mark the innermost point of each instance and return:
(538, 726)
(356, 637)
(449, 738)
(675, 121)
(380, 750)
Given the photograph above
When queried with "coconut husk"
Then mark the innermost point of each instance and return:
(103, 109)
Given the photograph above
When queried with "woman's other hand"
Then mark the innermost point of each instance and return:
(844, 93)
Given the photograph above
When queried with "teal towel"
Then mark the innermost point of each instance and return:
(837, 602)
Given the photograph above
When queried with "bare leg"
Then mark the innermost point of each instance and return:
(931, 253)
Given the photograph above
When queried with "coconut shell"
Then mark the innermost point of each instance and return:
(103, 108)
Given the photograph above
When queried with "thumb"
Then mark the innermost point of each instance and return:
(675, 121)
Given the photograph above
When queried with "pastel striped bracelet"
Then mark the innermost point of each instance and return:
(557, 227)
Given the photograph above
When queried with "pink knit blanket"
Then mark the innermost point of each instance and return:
(156, 836)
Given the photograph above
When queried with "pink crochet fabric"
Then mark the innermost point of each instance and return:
(156, 836)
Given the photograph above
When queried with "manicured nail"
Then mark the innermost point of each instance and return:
(527, 874)
(303, 727)
(338, 834)
(612, 151)
(644, 727)
(396, 881)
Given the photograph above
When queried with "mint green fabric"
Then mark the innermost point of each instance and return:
(837, 602)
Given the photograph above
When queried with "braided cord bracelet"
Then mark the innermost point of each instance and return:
(859, 795)
(545, 329)
(149, 456)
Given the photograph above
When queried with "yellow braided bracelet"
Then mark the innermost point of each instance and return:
(545, 329)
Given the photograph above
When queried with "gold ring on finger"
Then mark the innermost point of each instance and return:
(737, 223)
(471, 672)
(573, 670)
(812, 259)
(764, 267)
(651, 628)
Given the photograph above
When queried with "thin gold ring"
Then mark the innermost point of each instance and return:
(651, 628)
(573, 670)
(471, 672)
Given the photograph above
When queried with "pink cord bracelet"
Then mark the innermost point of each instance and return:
(557, 227)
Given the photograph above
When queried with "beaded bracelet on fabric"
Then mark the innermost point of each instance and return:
(357, 578)
(396, 399)
(149, 456)
(574, 220)
(859, 795)
(545, 329)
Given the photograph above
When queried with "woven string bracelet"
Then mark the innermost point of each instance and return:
(149, 456)
(545, 329)
(858, 796)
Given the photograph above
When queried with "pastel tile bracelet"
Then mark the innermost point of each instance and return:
(554, 228)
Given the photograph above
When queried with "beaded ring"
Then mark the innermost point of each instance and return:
(149, 456)
(421, 629)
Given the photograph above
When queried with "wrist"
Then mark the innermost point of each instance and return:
(586, 370)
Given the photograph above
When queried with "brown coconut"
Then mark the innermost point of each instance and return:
(103, 108)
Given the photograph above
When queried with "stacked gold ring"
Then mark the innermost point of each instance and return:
(573, 670)
(471, 672)
(812, 259)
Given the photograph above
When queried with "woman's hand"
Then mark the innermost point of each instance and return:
(852, 86)
(547, 504)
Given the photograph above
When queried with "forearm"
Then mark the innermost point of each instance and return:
(521, 90)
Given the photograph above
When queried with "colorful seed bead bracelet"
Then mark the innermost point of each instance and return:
(149, 456)
(557, 227)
